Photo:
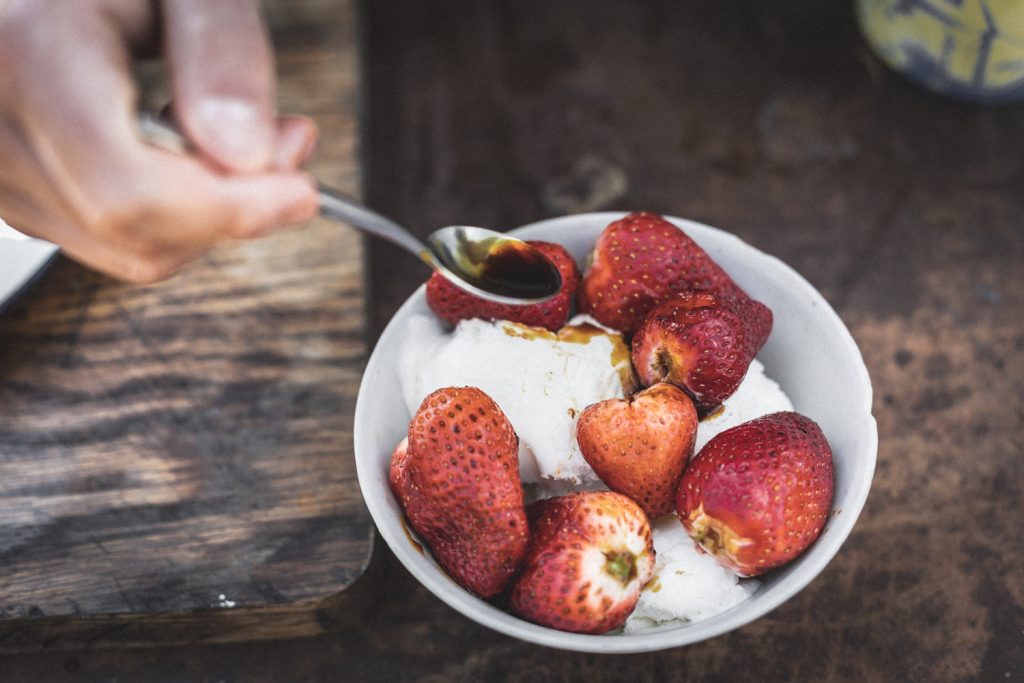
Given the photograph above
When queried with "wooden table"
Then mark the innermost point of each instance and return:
(176, 461)
(774, 122)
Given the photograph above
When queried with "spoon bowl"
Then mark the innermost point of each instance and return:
(486, 263)
(493, 265)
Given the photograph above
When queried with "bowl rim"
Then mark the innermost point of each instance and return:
(481, 611)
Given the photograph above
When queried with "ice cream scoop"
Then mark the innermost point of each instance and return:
(486, 263)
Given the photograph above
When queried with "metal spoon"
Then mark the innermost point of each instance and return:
(486, 263)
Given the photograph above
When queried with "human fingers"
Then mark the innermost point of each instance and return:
(177, 209)
(76, 172)
(222, 80)
(297, 138)
(146, 230)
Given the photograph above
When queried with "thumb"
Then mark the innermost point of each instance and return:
(222, 80)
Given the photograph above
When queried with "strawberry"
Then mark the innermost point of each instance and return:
(641, 259)
(701, 341)
(589, 555)
(453, 304)
(456, 476)
(758, 495)
(398, 472)
(639, 446)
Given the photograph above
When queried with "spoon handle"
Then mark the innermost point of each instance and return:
(337, 206)
(333, 204)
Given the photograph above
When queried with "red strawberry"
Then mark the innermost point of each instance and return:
(701, 341)
(452, 304)
(758, 495)
(641, 259)
(589, 555)
(398, 473)
(640, 445)
(457, 478)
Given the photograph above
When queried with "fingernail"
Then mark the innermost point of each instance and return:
(234, 133)
(292, 152)
(296, 143)
(310, 147)
(299, 211)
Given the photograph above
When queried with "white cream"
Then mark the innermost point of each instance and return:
(756, 396)
(541, 381)
(687, 585)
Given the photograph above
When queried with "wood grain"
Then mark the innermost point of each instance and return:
(176, 460)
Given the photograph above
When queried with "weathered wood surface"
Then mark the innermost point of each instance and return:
(176, 461)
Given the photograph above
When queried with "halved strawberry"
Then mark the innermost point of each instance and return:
(640, 260)
(456, 476)
(452, 304)
(590, 553)
(698, 340)
(639, 446)
(757, 495)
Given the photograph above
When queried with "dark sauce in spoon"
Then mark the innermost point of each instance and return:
(516, 269)
(488, 263)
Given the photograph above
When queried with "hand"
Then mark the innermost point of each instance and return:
(75, 170)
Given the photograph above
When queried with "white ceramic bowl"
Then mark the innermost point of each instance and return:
(810, 354)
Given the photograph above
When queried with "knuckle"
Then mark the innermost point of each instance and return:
(130, 226)
(115, 220)
(144, 269)
(234, 222)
